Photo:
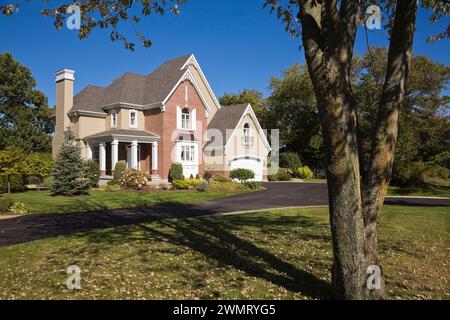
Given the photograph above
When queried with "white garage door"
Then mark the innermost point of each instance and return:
(254, 164)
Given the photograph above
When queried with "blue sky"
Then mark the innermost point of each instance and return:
(238, 44)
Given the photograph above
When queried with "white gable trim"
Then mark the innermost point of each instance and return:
(193, 61)
(187, 76)
(249, 110)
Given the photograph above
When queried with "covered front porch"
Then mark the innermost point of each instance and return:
(137, 149)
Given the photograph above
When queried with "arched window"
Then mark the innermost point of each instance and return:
(246, 134)
(185, 119)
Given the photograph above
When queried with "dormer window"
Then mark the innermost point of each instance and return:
(246, 138)
(113, 119)
(133, 119)
(185, 119)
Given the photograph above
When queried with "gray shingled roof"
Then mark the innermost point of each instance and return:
(123, 132)
(226, 118)
(133, 88)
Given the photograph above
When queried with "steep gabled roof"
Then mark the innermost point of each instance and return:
(133, 88)
(226, 118)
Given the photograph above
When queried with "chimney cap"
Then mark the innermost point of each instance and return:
(64, 74)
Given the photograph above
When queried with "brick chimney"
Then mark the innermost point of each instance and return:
(64, 102)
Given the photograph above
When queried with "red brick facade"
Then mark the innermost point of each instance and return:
(164, 123)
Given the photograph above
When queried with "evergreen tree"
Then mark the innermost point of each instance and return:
(68, 173)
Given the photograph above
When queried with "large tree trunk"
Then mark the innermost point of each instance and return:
(376, 179)
(329, 67)
(328, 36)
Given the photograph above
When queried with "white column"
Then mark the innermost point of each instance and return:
(114, 153)
(102, 156)
(154, 156)
(134, 153)
(88, 151)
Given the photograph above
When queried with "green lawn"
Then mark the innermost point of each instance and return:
(284, 254)
(315, 180)
(434, 188)
(44, 202)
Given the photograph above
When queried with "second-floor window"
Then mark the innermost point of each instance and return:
(185, 119)
(113, 119)
(133, 119)
(246, 138)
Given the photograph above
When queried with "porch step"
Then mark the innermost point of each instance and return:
(104, 180)
(156, 180)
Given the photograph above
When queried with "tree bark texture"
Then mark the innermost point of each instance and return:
(328, 36)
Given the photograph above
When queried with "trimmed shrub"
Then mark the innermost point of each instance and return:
(18, 208)
(283, 177)
(133, 178)
(242, 174)
(119, 169)
(5, 204)
(180, 184)
(197, 176)
(215, 186)
(176, 171)
(219, 178)
(91, 171)
(304, 173)
(290, 160)
(191, 176)
(203, 186)
(254, 185)
(273, 177)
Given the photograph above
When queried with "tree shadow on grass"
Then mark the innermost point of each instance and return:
(212, 239)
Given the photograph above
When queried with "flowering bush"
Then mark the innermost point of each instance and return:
(180, 184)
(285, 171)
(133, 178)
(304, 172)
(194, 182)
(186, 183)
(18, 208)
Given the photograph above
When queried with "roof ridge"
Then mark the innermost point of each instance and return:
(133, 87)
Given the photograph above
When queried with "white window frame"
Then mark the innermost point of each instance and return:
(246, 134)
(135, 125)
(187, 153)
(113, 119)
(186, 119)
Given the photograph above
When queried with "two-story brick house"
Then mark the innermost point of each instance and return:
(151, 121)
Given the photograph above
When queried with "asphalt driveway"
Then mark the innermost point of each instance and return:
(276, 195)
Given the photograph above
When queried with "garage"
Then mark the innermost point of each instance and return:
(248, 162)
